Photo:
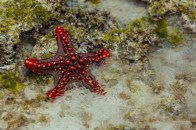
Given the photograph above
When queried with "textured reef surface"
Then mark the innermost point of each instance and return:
(149, 76)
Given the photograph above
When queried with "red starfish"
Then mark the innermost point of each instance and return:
(67, 65)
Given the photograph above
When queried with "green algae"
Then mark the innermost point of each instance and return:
(25, 11)
(111, 36)
(10, 82)
(93, 1)
(137, 23)
(47, 55)
(161, 28)
(42, 14)
(174, 38)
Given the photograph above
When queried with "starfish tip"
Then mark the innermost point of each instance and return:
(30, 63)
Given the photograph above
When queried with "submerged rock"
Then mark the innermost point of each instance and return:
(185, 8)
(16, 17)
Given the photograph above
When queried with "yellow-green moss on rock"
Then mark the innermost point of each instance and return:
(174, 38)
(111, 36)
(137, 23)
(93, 1)
(135, 39)
(41, 14)
(161, 28)
(9, 81)
(47, 55)
(158, 9)
(22, 11)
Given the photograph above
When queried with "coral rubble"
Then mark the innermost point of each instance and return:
(186, 8)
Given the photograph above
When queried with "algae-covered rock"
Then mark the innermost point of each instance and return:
(85, 28)
(17, 16)
(9, 81)
(158, 9)
(133, 41)
(93, 1)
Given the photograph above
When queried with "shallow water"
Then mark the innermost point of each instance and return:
(157, 93)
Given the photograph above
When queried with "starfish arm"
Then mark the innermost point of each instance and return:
(63, 41)
(41, 67)
(93, 85)
(96, 56)
(48, 60)
(59, 89)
